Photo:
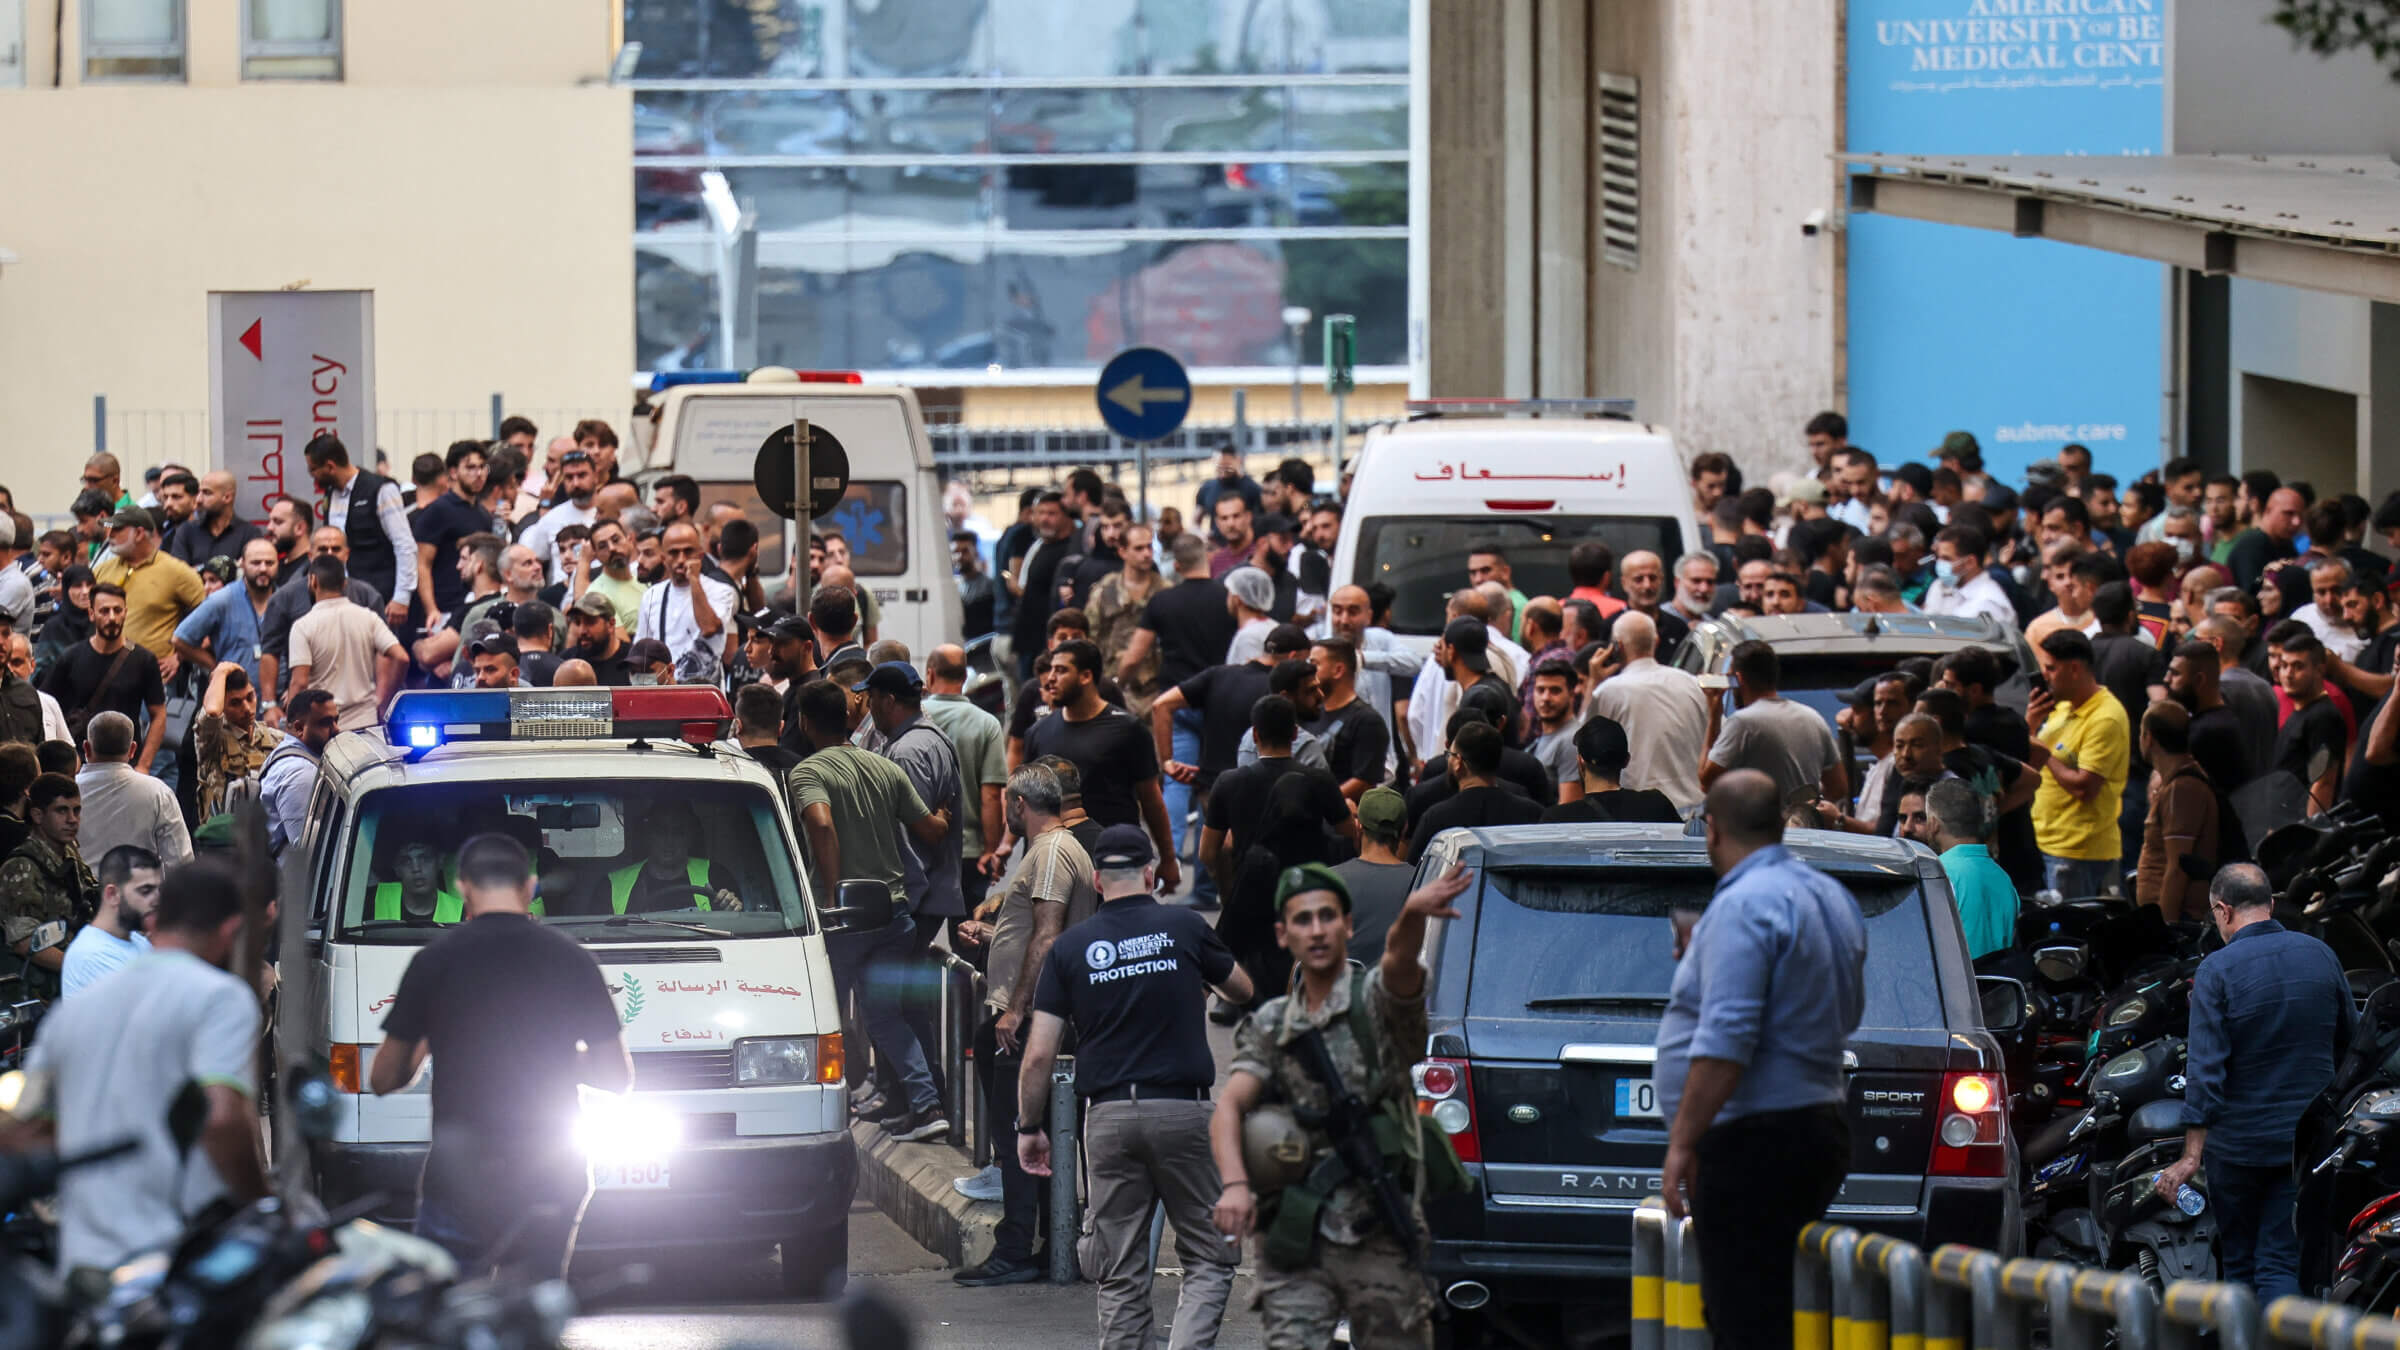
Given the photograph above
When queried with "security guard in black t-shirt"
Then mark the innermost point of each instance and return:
(1134, 980)
(520, 1016)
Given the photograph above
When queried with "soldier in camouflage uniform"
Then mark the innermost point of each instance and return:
(232, 742)
(45, 878)
(1355, 1266)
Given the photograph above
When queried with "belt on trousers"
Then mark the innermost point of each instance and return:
(1150, 1092)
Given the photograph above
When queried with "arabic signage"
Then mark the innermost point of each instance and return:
(1462, 472)
(283, 366)
(2027, 343)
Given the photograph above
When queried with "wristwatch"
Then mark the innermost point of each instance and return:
(1037, 1127)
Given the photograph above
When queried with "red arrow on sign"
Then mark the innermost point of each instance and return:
(249, 339)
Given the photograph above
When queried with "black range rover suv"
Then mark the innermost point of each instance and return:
(1544, 1004)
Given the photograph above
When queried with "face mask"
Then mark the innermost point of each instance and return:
(1944, 570)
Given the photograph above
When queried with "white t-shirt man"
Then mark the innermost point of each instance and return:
(118, 1054)
(96, 952)
(667, 616)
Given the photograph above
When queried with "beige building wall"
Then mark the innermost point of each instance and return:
(472, 169)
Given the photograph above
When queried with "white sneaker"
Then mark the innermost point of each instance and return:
(984, 1185)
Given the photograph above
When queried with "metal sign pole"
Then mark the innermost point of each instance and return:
(1141, 452)
(803, 488)
(1341, 437)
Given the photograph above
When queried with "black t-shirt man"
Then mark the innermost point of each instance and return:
(1469, 809)
(2377, 659)
(1241, 808)
(502, 1002)
(2311, 739)
(1520, 772)
(2219, 746)
(1356, 741)
(2375, 786)
(448, 519)
(1624, 806)
(1194, 630)
(1224, 696)
(1994, 727)
(1133, 980)
(74, 680)
(1112, 752)
(1031, 708)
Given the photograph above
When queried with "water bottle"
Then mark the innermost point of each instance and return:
(2189, 1200)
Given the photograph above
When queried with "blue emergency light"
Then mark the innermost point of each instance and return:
(426, 719)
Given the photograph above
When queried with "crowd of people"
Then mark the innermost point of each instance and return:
(2208, 653)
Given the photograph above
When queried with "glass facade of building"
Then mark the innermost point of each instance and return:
(1024, 184)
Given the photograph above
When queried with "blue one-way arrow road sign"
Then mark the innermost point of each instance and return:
(1144, 394)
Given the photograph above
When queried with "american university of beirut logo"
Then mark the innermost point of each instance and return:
(1100, 955)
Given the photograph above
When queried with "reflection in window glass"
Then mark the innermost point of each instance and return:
(772, 548)
(774, 122)
(1063, 121)
(921, 122)
(1213, 119)
(729, 39)
(917, 39)
(872, 518)
(1350, 117)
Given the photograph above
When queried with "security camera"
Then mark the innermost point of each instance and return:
(1813, 222)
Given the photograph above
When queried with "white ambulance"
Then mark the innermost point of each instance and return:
(736, 1130)
(1535, 477)
(709, 425)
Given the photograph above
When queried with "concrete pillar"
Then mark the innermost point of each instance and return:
(1561, 198)
(1466, 218)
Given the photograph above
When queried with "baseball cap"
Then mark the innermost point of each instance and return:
(1602, 744)
(1309, 877)
(1804, 491)
(1471, 641)
(1252, 587)
(1916, 476)
(1999, 497)
(497, 643)
(647, 653)
(1276, 522)
(1122, 846)
(1383, 810)
(220, 567)
(1958, 445)
(594, 605)
(892, 677)
(790, 628)
(133, 517)
(2045, 473)
(1287, 639)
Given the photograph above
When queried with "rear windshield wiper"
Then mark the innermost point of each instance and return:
(628, 920)
(1596, 1001)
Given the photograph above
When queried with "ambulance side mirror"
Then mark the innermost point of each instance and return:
(864, 907)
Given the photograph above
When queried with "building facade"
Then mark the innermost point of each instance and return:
(185, 146)
(975, 188)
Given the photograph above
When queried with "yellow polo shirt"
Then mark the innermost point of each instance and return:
(158, 594)
(2095, 736)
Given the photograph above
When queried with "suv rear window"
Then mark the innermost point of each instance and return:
(1568, 934)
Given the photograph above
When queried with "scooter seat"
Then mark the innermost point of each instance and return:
(2161, 1119)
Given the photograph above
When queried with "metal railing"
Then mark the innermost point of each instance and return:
(952, 1058)
(1864, 1291)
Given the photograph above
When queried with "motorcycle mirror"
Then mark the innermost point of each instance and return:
(187, 1115)
(2005, 1004)
(316, 1103)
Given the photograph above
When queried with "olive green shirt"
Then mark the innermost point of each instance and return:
(872, 803)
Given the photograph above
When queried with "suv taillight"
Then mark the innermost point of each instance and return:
(1445, 1092)
(1970, 1134)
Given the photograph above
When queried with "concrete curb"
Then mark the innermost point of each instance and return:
(911, 1184)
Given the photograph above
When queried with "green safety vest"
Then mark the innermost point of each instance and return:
(620, 882)
(447, 907)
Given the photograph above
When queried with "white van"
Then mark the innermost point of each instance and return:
(737, 1128)
(1535, 477)
(891, 516)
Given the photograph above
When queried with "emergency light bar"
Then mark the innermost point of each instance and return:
(1620, 408)
(426, 719)
(668, 379)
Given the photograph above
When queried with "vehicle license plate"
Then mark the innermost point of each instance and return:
(630, 1176)
(1637, 1099)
